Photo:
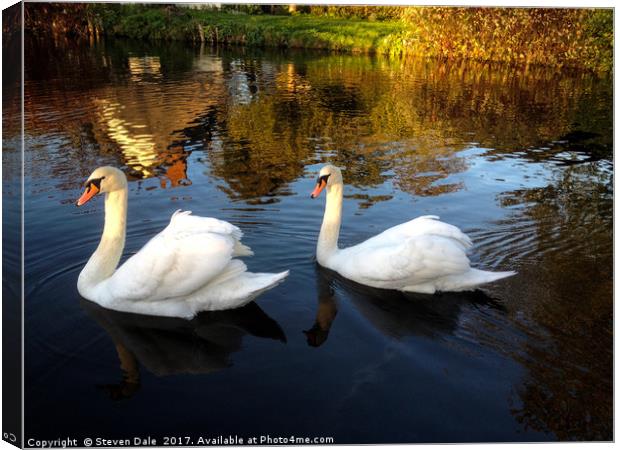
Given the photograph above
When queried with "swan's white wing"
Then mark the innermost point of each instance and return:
(412, 261)
(185, 256)
(421, 226)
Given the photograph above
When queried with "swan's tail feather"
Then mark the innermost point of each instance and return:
(487, 277)
(264, 281)
(467, 281)
(472, 279)
(235, 289)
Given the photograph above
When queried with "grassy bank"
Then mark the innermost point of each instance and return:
(578, 38)
(295, 31)
(303, 31)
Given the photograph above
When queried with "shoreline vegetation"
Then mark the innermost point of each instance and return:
(573, 38)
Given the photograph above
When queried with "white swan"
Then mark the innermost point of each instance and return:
(423, 255)
(186, 268)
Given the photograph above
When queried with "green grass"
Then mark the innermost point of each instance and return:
(297, 31)
(300, 31)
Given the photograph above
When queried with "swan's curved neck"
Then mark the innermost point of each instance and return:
(103, 262)
(327, 244)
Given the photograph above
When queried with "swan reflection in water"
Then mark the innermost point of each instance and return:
(395, 314)
(169, 346)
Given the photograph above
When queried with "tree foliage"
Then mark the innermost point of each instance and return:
(558, 37)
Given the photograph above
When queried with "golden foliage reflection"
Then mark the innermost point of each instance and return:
(260, 121)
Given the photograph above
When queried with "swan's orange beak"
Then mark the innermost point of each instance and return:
(320, 185)
(90, 192)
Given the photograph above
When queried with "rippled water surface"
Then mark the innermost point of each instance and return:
(520, 160)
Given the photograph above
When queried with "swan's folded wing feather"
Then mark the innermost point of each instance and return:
(181, 259)
(414, 260)
(185, 222)
(420, 226)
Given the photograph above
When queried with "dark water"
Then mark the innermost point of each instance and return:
(520, 160)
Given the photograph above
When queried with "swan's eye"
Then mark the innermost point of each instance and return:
(94, 182)
(322, 179)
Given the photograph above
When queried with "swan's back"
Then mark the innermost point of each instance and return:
(423, 226)
(423, 255)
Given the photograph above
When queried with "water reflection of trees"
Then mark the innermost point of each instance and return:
(373, 116)
(569, 354)
(262, 119)
(112, 102)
